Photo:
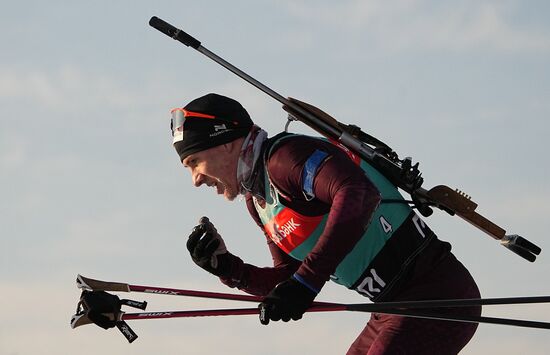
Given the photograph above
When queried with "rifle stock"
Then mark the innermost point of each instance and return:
(464, 207)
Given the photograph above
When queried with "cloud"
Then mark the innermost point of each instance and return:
(425, 24)
(13, 152)
(65, 87)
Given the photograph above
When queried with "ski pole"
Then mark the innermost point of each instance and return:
(80, 319)
(86, 283)
(402, 312)
(336, 308)
(98, 285)
(417, 309)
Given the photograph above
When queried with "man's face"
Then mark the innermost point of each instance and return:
(216, 167)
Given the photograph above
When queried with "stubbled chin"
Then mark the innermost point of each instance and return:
(229, 194)
(222, 189)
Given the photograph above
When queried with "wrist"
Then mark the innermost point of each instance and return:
(303, 282)
(219, 265)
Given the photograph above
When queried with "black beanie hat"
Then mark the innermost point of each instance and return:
(206, 122)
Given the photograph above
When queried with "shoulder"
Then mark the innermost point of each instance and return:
(288, 155)
(297, 149)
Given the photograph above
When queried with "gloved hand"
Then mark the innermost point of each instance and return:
(102, 308)
(288, 300)
(207, 248)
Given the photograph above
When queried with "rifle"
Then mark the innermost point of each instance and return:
(401, 172)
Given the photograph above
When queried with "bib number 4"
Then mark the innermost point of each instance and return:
(386, 226)
(418, 223)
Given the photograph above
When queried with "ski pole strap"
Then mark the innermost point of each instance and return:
(125, 329)
(135, 304)
(103, 309)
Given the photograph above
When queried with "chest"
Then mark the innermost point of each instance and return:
(284, 223)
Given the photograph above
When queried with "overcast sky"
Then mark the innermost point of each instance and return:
(90, 183)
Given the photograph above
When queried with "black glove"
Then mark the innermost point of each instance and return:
(207, 249)
(102, 308)
(288, 300)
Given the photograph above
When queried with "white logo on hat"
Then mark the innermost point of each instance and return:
(218, 127)
(178, 135)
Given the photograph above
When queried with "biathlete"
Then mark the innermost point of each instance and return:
(326, 215)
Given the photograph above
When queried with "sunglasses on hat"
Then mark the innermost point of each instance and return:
(178, 121)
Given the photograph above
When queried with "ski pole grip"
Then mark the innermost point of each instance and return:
(174, 32)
